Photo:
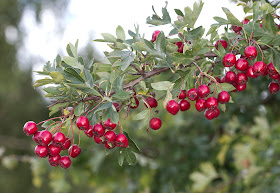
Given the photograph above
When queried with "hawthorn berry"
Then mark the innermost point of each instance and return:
(30, 128)
(180, 46)
(65, 162)
(66, 144)
(89, 131)
(223, 97)
(98, 130)
(245, 21)
(211, 103)
(240, 87)
(136, 104)
(209, 114)
(182, 94)
(241, 78)
(200, 104)
(192, 94)
(230, 76)
(82, 123)
(109, 125)
(54, 160)
(259, 68)
(35, 137)
(155, 35)
(97, 140)
(54, 150)
(217, 112)
(155, 123)
(58, 139)
(74, 151)
(203, 91)
(152, 102)
(184, 105)
(41, 151)
(121, 140)
(241, 64)
(172, 107)
(110, 136)
(223, 43)
(271, 69)
(236, 28)
(229, 60)
(117, 106)
(273, 87)
(109, 145)
(45, 137)
(250, 73)
(251, 52)
(274, 76)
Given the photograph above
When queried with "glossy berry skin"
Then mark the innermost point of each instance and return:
(184, 105)
(30, 128)
(223, 43)
(82, 123)
(230, 76)
(241, 78)
(259, 68)
(134, 106)
(229, 60)
(98, 140)
(98, 130)
(272, 76)
(54, 160)
(236, 28)
(45, 137)
(65, 162)
(74, 151)
(217, 112)
(35, 137)
(54, 150)
(172, 107)
(271, 69)
(109, 125)
(192, 94)
(152, 102)
(211, 103)
(155, 123)
(58, 139)
(241, 64)
(89, 131)
(251, 52)
(223, 97)
(182, 94)
(121, 140)
(200, 105)
(273, 87)
(66, 144)
(245, 21)
(250, 73)
(240, 87)
(203, 91)
(155, 35)
(209, 114)
(109, 145)
(180, 46)
(109, 136)
(41, 151)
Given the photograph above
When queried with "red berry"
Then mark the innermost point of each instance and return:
(250, 73)
(259, 68)
(223, 97)
(240, 87)
(155, 35)
(54, 150)
(134, 106)
(200, 105)
(271, 69)
(251, 52)
(110, 136)
(74, 151)
(152, 102)
(236, 28)
(229, 60)
(180, 46)
(121, 140)
(172, 107)
(192, 94)
(203, 91)
(273, 87)
(54, 160)
(89, 131)
(98, 140)
(155, 123)
(184, 105)
(30, 128)
(65, 162)
(98, 130)
(182, 94)
(217, 112)
(241, 64)
(245, 21)
(209, 114)
(45, 137)
(230, 76)
(58, 139)
(109, 125)
(211, 103)
(109, 145)
(35, 137)
(117, 106)
(223, 79)
(82, 123)
(274, 76)
(223, 43)
(41, 151)
(66, 144)
(241, 78)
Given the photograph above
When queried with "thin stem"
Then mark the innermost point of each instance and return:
(49, 120)
(95, 107)
(120, 127)
(180, 89)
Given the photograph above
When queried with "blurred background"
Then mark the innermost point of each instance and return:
(238, 152)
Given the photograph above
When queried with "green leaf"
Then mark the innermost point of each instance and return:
(142, 115)
(88, 78)
(120, 156)
(79, 109)
(129, 156)
(57, 107)
(156, 20)
(47, 123)
(103, 106)
(110, 151)
(276, 58)
(163, 85)
(191, 16)
(220, 20)
(122, 95)
(71, 50)
(109, 37)
(227, 87)
(85, 88)
(120, 33)
(201, 51)
(42, 82)
(58, 60)
(256, 11)
(269, 24)
(179, 12)
(132, 145)
(222, 107)
(57, 77)
(160, 44)
(72, 75)
(231, 18)
(70, 61)
(52, 90)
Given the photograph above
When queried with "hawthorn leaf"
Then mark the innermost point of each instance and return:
(163, 85)
(120, 33)
(142, 115)
(42, 82)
